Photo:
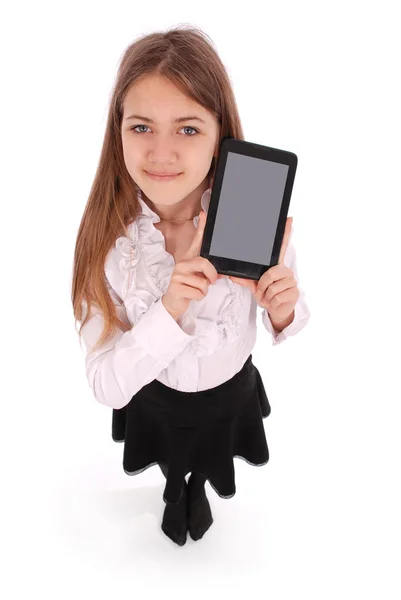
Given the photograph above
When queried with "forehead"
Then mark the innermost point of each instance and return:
(161, 100)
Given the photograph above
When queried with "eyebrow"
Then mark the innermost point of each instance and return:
(179, 120)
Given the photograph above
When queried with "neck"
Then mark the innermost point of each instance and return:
(178, 220)
(182, 211)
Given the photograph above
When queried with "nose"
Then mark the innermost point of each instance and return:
(163, 150)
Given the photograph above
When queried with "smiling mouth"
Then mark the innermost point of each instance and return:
(162, 174)
(167, 177)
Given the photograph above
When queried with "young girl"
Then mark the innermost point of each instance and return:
(168, 340)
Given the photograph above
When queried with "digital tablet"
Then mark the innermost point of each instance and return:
(248, 208)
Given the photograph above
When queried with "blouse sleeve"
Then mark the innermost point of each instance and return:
(129, 360)
(301, 309)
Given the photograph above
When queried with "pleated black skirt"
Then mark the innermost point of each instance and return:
(195, 431)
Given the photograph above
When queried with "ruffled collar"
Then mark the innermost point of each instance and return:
(148, 212)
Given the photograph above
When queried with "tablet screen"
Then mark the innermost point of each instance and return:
(249, 208)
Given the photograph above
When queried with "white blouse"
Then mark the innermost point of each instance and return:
(207, 346)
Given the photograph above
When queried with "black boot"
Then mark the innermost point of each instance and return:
(175, 524)
(199, 513)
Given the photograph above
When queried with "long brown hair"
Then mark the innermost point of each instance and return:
(188, 59)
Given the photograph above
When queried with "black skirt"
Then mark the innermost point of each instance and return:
(195, 431)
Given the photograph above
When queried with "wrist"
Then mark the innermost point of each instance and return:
(172, 313)
(280, 325)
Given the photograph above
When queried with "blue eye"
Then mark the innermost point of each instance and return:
(134, 127)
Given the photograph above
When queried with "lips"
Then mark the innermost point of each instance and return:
(161, 174)
(156, 177)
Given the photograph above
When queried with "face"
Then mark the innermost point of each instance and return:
(163, 145)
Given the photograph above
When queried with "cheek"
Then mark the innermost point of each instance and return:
(198, 159)
(131, 155)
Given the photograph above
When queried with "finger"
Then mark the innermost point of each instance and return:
(289, 295)
(286, 239)
(275, 273)
(199, 264)
(194, 281)
(196, 244)
(277, 287)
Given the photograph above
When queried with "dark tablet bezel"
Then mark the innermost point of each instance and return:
(238, 268)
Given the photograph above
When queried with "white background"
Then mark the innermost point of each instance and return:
(322, 518)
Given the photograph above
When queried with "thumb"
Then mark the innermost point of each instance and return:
(286, 239)
(195, 247)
